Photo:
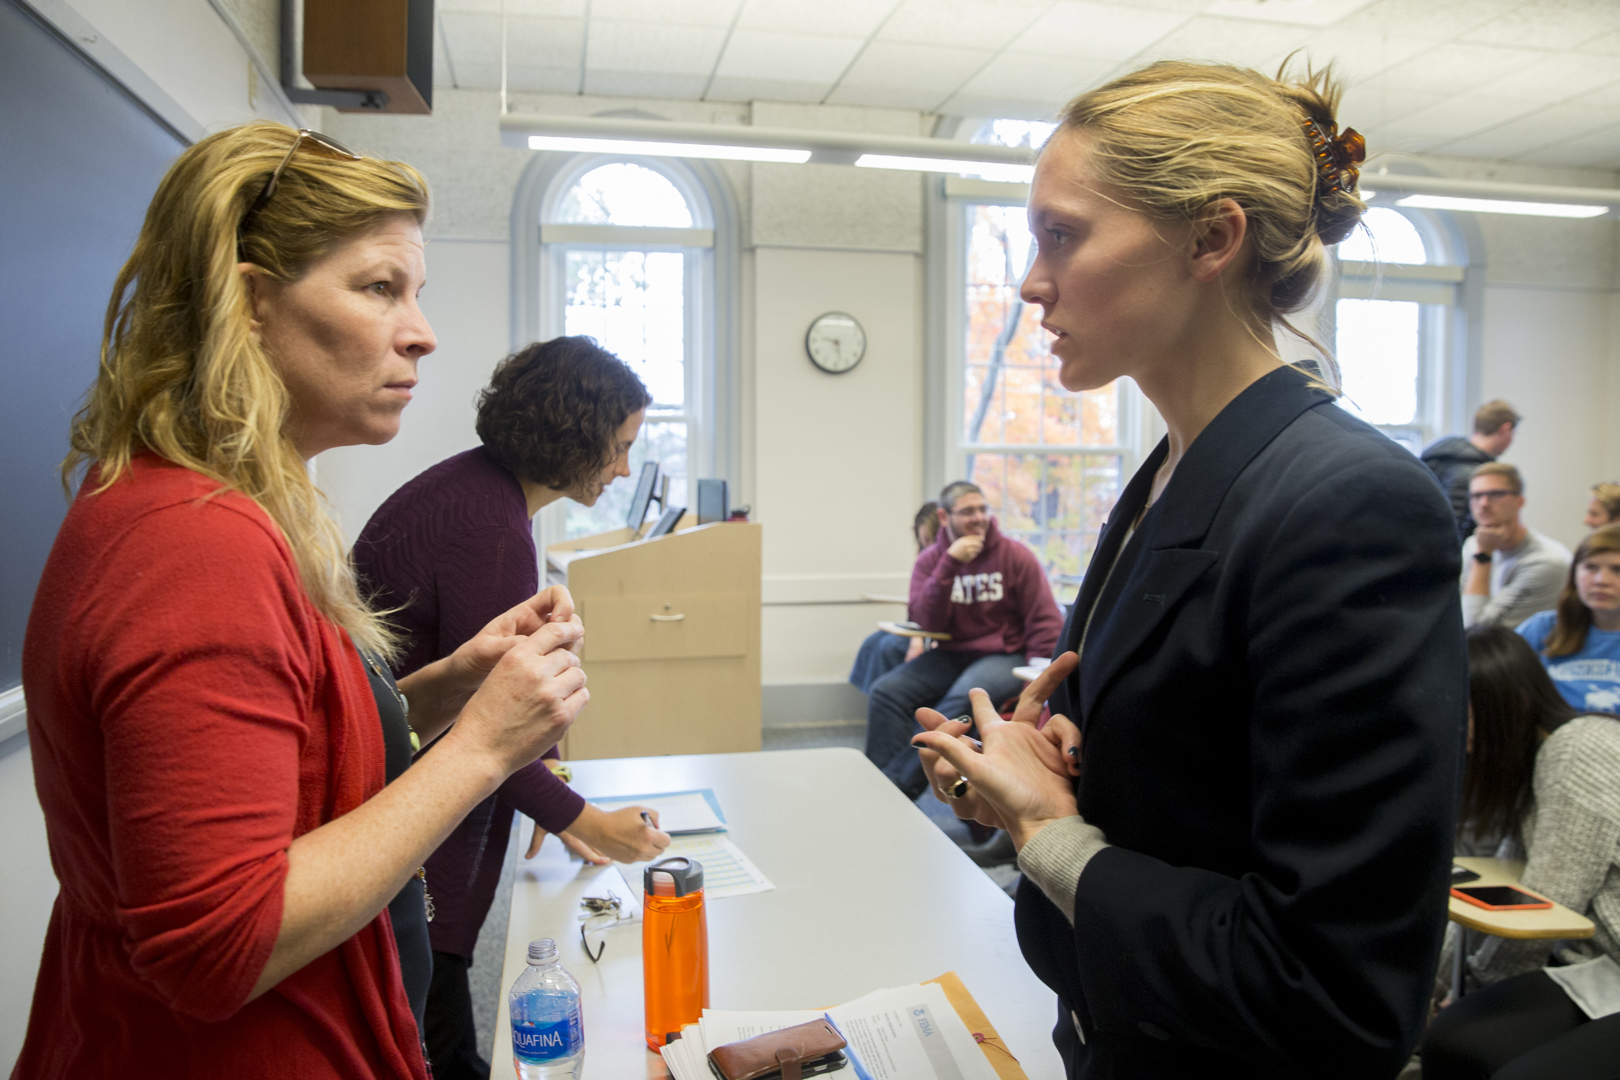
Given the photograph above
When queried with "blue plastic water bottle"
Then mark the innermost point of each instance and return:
(548, 1036)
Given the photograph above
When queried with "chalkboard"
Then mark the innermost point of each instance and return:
(79, 163)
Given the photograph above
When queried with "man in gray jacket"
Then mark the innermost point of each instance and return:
(1510, 571)
(1453, 458)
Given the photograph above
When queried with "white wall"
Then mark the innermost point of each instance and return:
(27, 891)
(839, 457)
(183, 57)
(1552, 353)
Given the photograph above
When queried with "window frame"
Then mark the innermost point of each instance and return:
(1446, 287)
(953, 199)
(713, 406)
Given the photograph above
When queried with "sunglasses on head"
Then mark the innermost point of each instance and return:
(318, 142)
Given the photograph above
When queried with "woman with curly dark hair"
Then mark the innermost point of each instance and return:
(451, 549)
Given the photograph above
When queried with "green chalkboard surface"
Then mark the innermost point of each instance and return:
(79, 163)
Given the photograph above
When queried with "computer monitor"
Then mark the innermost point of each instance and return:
(643, 496)
(712, 503)
(667, 523)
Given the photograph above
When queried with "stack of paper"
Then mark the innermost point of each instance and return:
(907, 1033)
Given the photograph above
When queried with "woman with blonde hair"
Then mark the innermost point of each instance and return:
(1579, 640)
(1247, 874)
(1604, 509)
(207, 748)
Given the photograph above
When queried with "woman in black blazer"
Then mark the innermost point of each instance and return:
(1247, 876)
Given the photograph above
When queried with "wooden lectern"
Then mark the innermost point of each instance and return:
(671, 640)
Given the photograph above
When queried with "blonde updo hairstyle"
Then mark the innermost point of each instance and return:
(182, 373)
(1176, 137)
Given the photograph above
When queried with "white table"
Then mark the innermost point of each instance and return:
(869, 894)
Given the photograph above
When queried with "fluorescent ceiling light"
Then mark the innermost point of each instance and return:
(669, 149)
(1018, 174)
(1503, 206)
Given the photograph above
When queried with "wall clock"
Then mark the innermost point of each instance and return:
(836, 342)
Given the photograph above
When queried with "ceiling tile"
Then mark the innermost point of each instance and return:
(887, 97)
(476, 39)
(654, 49)
(556, 9)
(1188, 7)
(1367, 107)
(1604, 44)
(519, 77)
(769, 54)
(1540, 129)
(972, 105)
(1456, 67)
(1426, 130)
(1358, 54)
(1428, 18)
(1459, 116)
(1600, 150)
(730, 89)
(1023, 77)
(924, 67)
(1558, 78)
(1549, 24)
(645, 84)
(1297, 12)
(1606, 98)
(666, 13)
(1096, 31)
(1232, 41)
(983, 24)
(856, 18)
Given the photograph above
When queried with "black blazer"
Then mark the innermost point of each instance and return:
(1273, 692)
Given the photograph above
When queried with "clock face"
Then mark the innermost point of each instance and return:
(835, 342)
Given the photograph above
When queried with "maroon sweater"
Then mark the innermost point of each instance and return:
(455, 548)
(998, 603)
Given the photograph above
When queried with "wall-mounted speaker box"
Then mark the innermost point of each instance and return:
(382, 45)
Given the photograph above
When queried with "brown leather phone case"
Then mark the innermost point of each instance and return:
(786, 1050)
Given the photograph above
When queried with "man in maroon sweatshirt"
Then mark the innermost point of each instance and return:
(990, 594)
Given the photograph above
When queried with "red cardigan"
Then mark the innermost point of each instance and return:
(189, 714)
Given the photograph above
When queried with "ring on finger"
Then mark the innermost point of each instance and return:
(958, 789)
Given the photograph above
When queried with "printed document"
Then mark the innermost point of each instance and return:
(908, 1033)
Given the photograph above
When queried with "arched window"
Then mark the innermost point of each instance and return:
(1393, 318)
(626, 257)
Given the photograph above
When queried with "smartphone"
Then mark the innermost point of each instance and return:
(1501, 897)
(908, 625)
(1461, 875)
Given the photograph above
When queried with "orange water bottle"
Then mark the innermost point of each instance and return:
(674, 947)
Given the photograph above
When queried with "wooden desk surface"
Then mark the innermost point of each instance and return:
(869, 894)
(1554, 922)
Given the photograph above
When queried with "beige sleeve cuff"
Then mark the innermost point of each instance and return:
(1055, 857)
